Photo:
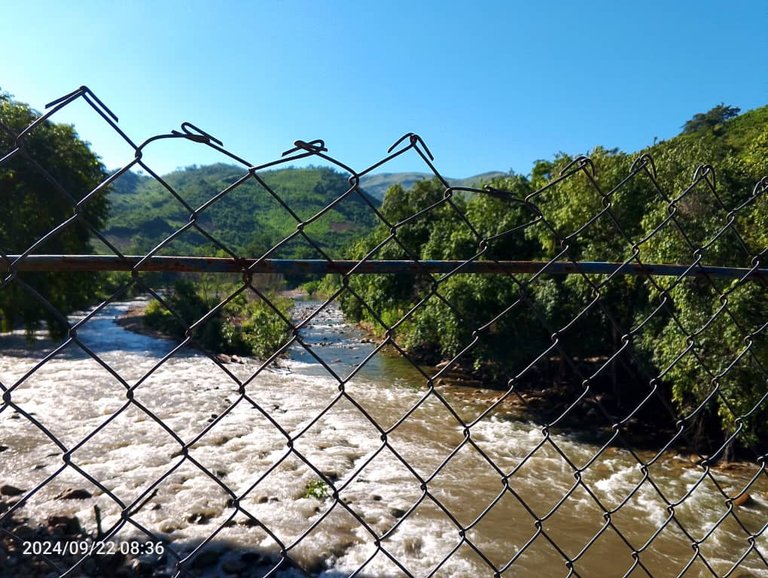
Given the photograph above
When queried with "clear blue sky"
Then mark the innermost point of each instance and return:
(489, 85)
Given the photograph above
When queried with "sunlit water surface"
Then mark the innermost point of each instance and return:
(78, 396)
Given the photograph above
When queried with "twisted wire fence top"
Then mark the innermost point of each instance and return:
(437, 479)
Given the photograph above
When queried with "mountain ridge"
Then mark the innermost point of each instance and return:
(378, 183)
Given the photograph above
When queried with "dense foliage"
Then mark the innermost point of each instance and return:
(689, 337)
(41, 186)
(245, 325)
(711, 119)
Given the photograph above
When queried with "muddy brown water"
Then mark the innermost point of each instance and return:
(504, 495)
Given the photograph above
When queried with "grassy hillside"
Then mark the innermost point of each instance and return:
(247, 220)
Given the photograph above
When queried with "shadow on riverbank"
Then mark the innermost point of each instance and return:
(51, 549)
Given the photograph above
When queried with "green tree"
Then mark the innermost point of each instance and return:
(713, 118)
(703, 341)
(246, 325)
(41, 184)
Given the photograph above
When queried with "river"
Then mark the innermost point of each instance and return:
(241, 442)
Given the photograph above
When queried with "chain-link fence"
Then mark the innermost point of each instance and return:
(562, 377)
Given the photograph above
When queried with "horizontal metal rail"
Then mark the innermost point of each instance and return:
(85, 263)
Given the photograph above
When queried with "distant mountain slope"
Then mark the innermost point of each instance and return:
(377, 184)
(247, 220)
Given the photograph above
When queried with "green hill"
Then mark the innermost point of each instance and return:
(247, 219)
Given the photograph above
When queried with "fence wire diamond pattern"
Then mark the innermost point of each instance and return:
(339, 451)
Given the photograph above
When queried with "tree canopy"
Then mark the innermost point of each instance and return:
(690, 336)
(713, 118)
(45, 175)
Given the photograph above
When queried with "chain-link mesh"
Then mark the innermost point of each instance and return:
(343, 451)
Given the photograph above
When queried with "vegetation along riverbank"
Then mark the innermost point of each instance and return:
(690, 353)
(683, 356)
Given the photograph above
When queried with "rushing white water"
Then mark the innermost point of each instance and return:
(133, 449)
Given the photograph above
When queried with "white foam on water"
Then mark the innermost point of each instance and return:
(75, 398)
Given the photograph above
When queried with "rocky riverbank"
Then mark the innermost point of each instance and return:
(134, 320)
(62, 537)
(22, 541)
